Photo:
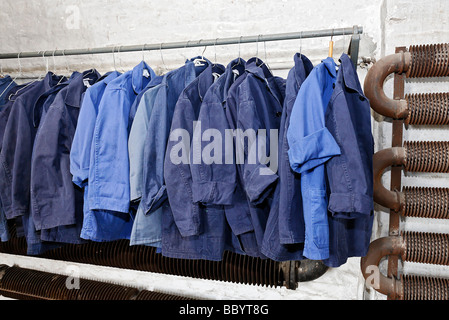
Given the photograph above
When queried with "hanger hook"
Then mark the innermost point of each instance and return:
(143, 52)
(257, 48)
(162, 58)
(45, 61)
(120, 60)
(113, 57)
(240, 40)
(54, 62)
(300, 44)
(20, 65)
(215, 51)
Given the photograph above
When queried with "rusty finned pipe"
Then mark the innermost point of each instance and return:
(381, 160)
(374, 81)
(415, 156)
(420, 247)
(370, 266)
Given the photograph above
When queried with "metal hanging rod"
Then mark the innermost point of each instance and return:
(354, 31)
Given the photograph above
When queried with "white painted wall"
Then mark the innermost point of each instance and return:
(56, 24)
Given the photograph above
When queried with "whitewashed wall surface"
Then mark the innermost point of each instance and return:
(72, 24)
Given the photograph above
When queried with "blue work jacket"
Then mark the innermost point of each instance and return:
(285, 232)
(55, 200)
(350, 174)
(310, 146)
(216, 183)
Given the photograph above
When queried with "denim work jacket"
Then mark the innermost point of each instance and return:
(149, 185)
(350, 174)
(5, 110)
(255, 102)
(55, 201)
(285, 232)
(189, 229)
(17, 147)
(216, 183)
(109, 169)
(6, 85)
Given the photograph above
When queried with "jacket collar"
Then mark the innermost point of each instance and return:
(139, 80)
(238, 66)
(77, 86)
(257, 67)
(350, 77)
(303, 66)
(206, 78)
(330, 65)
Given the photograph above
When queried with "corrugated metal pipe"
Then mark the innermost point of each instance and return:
(418, 247)
(232, 268)
(418, 61)
(27, 284)
(415, 156)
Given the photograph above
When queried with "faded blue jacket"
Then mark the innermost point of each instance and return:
(84, 134)
(109, 169)
(149, 183)
(310, 146)
(172, 84)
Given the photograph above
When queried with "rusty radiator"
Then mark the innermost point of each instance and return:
(413, 156)
(27, 284)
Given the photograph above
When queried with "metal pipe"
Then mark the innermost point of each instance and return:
(415, 156)
(374, 81)
(381, 160)
(189, 44)
(420, 247)
(370, 266)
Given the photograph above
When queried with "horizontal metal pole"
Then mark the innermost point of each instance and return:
(188, 44)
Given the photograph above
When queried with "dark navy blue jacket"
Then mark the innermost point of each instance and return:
(216, 183)
(350, 174)
(285, 232)
(15, 156)
(55, 200)
(189, 229)
(255, 102)
(6, 85)
(5, 110)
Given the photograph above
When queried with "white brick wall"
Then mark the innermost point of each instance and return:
(50, 25)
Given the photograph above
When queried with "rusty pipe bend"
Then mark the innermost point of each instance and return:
(378, 249)
(374, 81)
(381, 160)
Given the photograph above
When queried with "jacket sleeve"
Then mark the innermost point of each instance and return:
(258, 178)
(15, 162)
(350, 174)
(136, 144)
(214, 182)
(310, 142)
(52, 191)
(178, 178)
(109, 174)
(154, 193)
(82, 141)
